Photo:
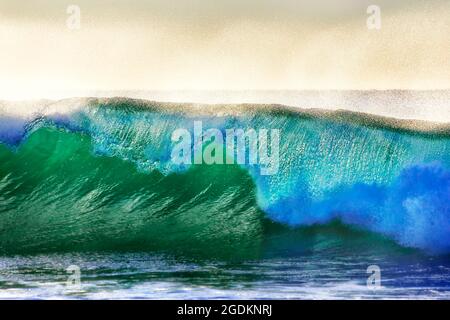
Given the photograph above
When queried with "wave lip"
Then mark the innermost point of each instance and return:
(427, 105)
(18, 117)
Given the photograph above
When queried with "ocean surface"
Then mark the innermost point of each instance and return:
(90, 184)
(319, 274)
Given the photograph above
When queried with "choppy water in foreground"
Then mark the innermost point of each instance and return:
(149, 276)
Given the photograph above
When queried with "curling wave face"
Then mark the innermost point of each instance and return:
(98, 175)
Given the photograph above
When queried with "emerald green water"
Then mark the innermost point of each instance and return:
(57, 196)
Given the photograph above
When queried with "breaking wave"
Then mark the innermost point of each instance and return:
(97, 175)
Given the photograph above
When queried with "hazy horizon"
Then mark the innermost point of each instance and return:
(225, 45)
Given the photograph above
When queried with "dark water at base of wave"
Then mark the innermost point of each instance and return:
(137, 275)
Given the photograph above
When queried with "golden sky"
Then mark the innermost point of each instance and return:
(221, 44)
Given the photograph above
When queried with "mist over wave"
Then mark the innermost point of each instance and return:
(428, 105)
